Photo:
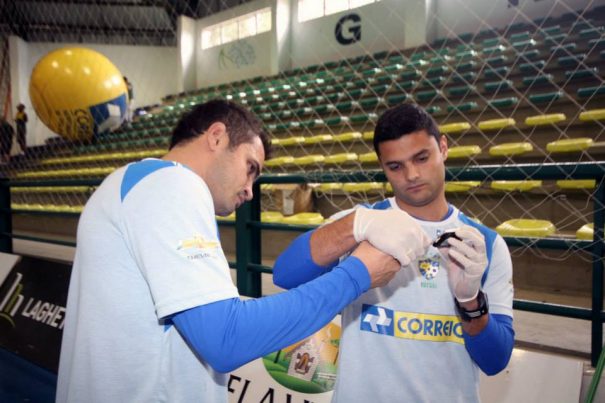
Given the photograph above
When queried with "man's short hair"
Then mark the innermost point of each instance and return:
(403, 119)
(242, 126)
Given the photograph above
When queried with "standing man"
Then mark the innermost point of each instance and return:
(152, 313)
(130, 90)
(424, 336)
(21, 123)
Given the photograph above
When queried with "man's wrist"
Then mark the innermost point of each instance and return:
(473, 309)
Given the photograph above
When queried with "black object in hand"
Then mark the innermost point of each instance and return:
(441, 241)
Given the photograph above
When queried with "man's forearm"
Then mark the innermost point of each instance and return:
(330, 242)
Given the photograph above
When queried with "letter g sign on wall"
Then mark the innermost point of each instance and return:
(348, 29)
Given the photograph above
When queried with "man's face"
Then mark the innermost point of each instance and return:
(414, 165)
(235, 172)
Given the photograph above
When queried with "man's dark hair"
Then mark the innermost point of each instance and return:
(242, 126)
(403, 119)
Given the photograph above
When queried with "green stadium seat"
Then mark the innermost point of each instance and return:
(532, 67)
(563, 49)
(587, 92)
(461, 91)
(573, 60)
(497, 60)
(363, 118)
(433, 109)
(540, 79)
(410, 74)
(490, 51)
(433, 82)
(496, 86)
(548, 97)
(555, 39)
(498, 72)
(589, 73)
(466, 54)
(469, 77)
(398, 99)
(470, 65)
(521, 45)
(502, 103)
(490, 42)
(520, 36)
(464, 107)
(529, 54)
(596, 32)
(437, 70)
(428, 95)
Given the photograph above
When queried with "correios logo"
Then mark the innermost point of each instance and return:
(11, 305)
(308, 366)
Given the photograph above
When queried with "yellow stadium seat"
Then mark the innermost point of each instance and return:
(494, 124)
(304, 219)
(368, 157)
(267, 187)
(368, 136)
(279, 161)
(454, 127)
(309, 159)
(463, 151)
(539, 120)
(510, 186)
(388, 187)
(367, 187)
(340, 158)
(576, 183)
(347, 137)
(230, 217)
(523, 227)
(586, 232)
(508, 149)
(271, 216)
(329, 187)
(569, 145)
(320, 138)
(461, 186)
(291, 141)
(592, 115)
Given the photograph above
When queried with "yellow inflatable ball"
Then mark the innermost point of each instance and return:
(78, 93)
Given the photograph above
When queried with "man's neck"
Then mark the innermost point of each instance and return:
(437, 210)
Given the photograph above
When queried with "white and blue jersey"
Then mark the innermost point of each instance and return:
(404, 341)
(148, 248)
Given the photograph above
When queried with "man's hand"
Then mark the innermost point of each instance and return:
(381, 266)
(466, 262)
(392, 231)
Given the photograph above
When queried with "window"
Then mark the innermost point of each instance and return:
(237, 28)
(311, 9)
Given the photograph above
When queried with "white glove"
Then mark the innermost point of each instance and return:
(466, 262)
(392, 231)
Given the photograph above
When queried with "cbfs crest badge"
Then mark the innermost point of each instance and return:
(429, 266)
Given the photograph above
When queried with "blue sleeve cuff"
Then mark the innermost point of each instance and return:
(295, 266)
(491, 349)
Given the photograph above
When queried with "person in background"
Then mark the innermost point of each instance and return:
(129, 103)
(21, 123)
(152, 313)
(424, 336)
